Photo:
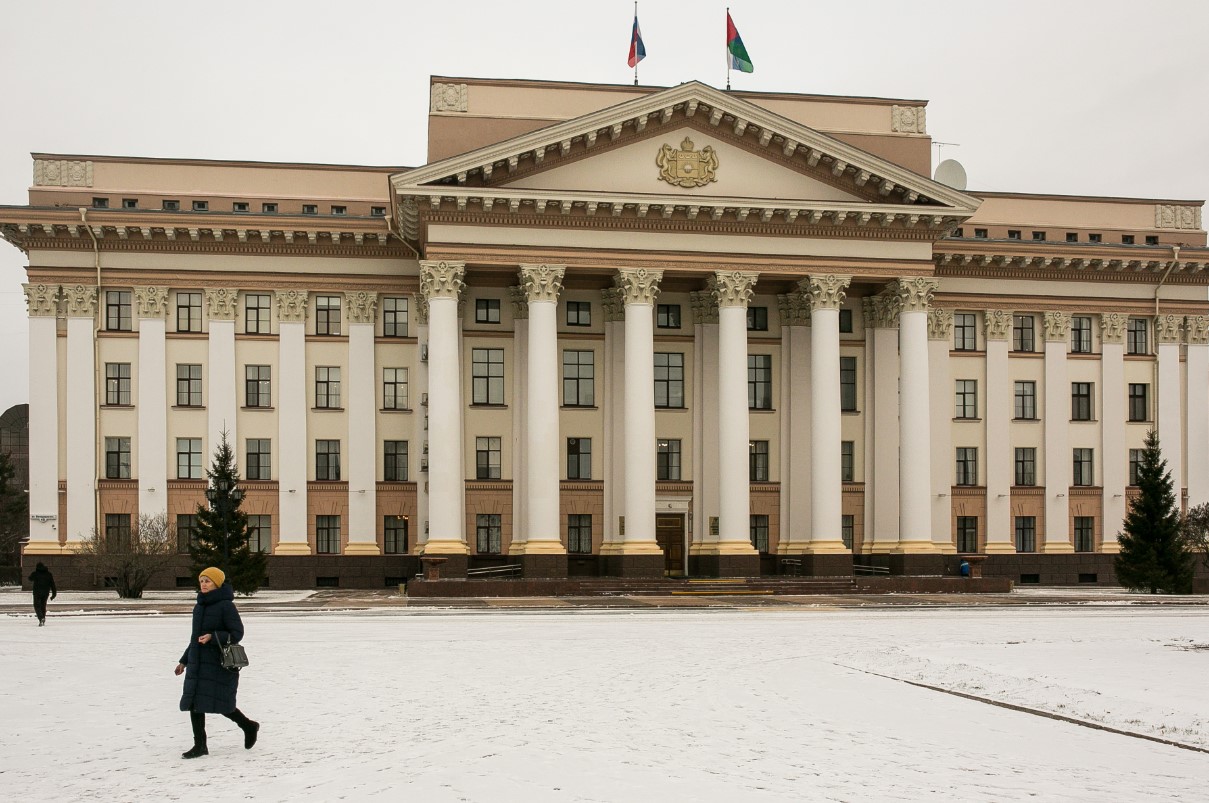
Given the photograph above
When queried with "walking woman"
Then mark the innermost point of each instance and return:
(44, 586)
(210, 689)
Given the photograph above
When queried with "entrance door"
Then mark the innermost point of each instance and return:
(669, 534)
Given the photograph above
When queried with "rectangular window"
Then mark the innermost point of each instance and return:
(1026, 465)
(759, 381)
(171, 206)
(310, 209)
(339, 210)
(260, 533)
(579, 533)
(579, 378)
(964, 337)
(117, 310)
(579, 458)
(240, 206)
(967, 465)
(394, 535)
(1082, 474)
(488, 533)
(579, 313)
(847, 529)
(981, 234)
(188, 386)
(846, 321)
(1135, 463)
(486, 310)
(1127, 239)
(186, 531)
(394, 461)
(1137, 336)
(188, 312)
(377, 211)
(757, 319)
(327, 460)
(1072, 236)
(394, 317)
(188, 459)
(1085, 538)
(1080, 401)
(757, 465)
(117, 383)
(1013, 234)
(1026, 401)
(327, 387)
(327, 315)
(1026, 533)
(130, 203)
(847, 458)
(100, 203)
(117, 458)
(1139, 402)
(1024, 335)
(487, 458)
(667, 459)
(1039, 235)
(967, 533)
(669, 379)
(327, 535)
(1095, 237)
(966, 399)
(848, 384)
(258, 386)
(268, 208)
(257, 317)
(259, 465)
(1152, 239)
(759, 532)
(959, 232)
(394, 389)
(667, 316)
(201, 206)
(117, 531)
(487, 375)
(1080, 334)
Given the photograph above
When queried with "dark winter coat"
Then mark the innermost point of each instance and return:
(210, 689)
(44, 582)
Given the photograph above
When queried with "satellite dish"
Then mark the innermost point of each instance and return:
(951, 174)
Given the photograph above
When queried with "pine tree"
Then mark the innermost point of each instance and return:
(1154, 555)
(221, 533)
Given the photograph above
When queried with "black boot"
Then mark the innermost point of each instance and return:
(250, 732)
(196, 751)
(198, 721)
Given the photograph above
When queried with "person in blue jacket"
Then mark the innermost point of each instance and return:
(210, 689)
(44, 587)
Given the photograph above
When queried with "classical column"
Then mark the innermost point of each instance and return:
(1114, 452)
(292, 435)
(705, 420)
(1000, 459)
(222, 399)
(362, 309)
(441, 283)
(1195, 395)
(420, 424)
(1168, 330)
(881, 314)
(44, 378)
(1058, 464)
(826, 487)
(520, 382)
(151, 305)
(613, 374)
(915, 446)
(81, 413)
(542, 285)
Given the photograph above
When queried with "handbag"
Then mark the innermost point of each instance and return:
(234, 657)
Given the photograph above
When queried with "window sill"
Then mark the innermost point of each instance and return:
(668, 407)
(258, 407)
(971, 420)
(1026, 420)
(394, 410)
(327, 409)
(188, 407)
(761, 409)
(850, 412)
(117, 406)
(481, 405)
(579, 407)
(1084, 420)
(1140, 421)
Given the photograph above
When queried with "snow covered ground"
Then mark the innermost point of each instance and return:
(589, 705)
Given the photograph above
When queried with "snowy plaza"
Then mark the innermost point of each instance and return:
(764, 704)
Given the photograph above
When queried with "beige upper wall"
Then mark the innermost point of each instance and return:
(1131, 214)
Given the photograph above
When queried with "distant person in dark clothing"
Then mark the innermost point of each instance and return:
(44, 586)
(965, 568)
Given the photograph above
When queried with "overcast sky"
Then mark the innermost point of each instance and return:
(1097, 97)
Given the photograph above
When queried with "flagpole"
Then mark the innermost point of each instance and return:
(636, 60)
(727, 49)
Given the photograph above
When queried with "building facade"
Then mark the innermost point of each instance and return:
(612, 330)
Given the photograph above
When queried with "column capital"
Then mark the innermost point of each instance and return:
(825, 292)
(151, 301)
(1112, 327)
(1167, 328)
(881, 311)
(442, 279)
(794, 309)
(520, 302)
(610, 301)
(916, 293)
(1057, 326)
(292, 306)
(421, 307)
(638, 285)
(42, 300)
(81, 300)
(733, 288)
(362, 306)
(222, 303)
(705, 306)
(542, 282)
(1197, 329)
(998, 324)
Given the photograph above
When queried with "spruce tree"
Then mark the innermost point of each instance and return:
(1154, 554)
(221, 533)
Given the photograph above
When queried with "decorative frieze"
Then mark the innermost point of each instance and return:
(448, 98)
(916, 293)
(1112, 327)
(42, 300)
(1168, 328)
(81, 301)
(998, 324)
(542, 282)
(940, 324)
(881, 311)
(638, 285)
(520, 302)
(1057, 326)
(733, 288)
(825, 292)
(442, 279)
(908, 119)
(1171, 216)
(222, 302)
(62, 173)
(291, 306)
(705, 307)
(1197, 329)
(362, 306)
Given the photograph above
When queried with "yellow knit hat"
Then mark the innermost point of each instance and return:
(216, 575)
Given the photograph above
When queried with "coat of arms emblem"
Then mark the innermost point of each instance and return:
(687, 167)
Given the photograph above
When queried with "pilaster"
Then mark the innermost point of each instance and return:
(151, 306)
(1056, 531)
(1168, 333)
(1196, 391)
(45, 529)
(292, 436)
(363, 458)
(999, 399)
(82, 467)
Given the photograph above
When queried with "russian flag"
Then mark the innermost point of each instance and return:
(637, 48)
